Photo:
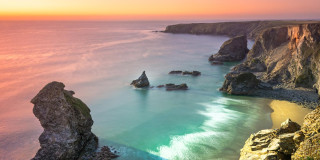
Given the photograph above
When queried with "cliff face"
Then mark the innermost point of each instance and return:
(66, 121)
(234, 49)
(287, 142)
(252, 28)
(286, 55)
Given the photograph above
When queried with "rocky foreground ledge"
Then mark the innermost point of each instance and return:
(67, 123)
(290, 141)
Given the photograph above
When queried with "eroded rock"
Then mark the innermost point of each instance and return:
(240, 83)
(235, 49)
(141, 82)
(67, 123)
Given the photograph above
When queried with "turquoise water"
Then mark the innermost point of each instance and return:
(98, 60)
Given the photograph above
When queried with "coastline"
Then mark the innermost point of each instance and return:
(283, 110)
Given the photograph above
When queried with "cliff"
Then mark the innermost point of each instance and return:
(289, 55)
(287, 142)
(251, 29)
(287, 58)
(234, 49)
(67, 123)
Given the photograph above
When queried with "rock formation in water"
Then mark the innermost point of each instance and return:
(141, 82)
(287, 142)
(67, 123)
(234, 49)
(193, 73)
(172, 87)
(240, 83)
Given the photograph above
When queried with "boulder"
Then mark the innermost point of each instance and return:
(67, 123)
(141, 82)
(240, 83)
(289, 126)
(235, 49)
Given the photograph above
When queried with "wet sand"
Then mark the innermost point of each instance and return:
(283, 110)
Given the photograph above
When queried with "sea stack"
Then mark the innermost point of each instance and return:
(141, 82)
(234, 49)
(67, 123)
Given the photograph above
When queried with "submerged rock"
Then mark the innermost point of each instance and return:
(105, 154)
(193, 73)
(175, 72)
(141, 82)
(235, 49)
(67, 123)
(240, 83)
(171, 87)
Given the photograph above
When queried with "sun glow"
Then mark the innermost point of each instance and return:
(164, 9)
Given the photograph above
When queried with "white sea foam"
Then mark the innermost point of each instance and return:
(214, 136)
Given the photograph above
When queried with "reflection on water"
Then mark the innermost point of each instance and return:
(98, 60)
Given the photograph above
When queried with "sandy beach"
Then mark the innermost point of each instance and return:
(283, 110)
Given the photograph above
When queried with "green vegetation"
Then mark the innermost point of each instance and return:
(78, 105)
(305, 79)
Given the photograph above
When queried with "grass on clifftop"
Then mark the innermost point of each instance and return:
(78, 105)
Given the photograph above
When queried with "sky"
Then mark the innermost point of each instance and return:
(160, 9)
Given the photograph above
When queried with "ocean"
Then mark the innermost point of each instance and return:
(98, 60)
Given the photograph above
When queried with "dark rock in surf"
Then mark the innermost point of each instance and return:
(240, 83)
(235, 49)
(172, 87)
(141, 82)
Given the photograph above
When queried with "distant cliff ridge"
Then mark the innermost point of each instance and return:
(251, 29)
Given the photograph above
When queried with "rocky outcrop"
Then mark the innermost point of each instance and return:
(193, 73)
(141, 82)
(67, 123)
(240, 83)
(234, 49)
(287, 142)
(308, 139)
(271, 143)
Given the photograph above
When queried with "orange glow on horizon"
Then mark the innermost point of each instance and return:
(165, 9)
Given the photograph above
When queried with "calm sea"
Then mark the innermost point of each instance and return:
(98, 60)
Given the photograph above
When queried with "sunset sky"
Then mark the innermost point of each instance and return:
(161, 9)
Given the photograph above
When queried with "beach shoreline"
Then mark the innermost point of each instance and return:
(283, 110)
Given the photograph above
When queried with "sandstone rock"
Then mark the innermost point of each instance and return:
(141, 82)
(310, 137)
(67, 123)
(289, 127)
(287, 142)
(235, 49)
(271, 143)
(240, 83)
